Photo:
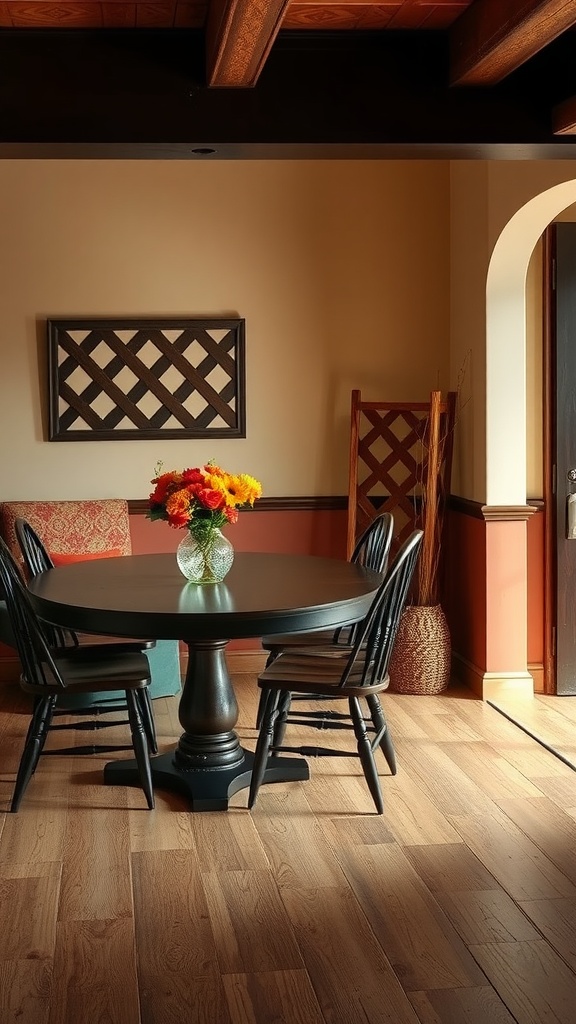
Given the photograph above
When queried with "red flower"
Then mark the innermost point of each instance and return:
(165, 486)
(192, 476)
(209, 498)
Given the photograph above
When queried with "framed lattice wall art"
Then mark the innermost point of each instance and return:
(118, 380)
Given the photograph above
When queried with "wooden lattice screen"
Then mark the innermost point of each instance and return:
(393, 446)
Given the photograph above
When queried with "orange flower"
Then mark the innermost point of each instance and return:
(230, 513)
(178, 509)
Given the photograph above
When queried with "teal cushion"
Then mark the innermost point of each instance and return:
(164, 661)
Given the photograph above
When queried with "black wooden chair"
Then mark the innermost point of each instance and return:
(36, 560)
(352, 673)
(48, 674)
(372, 550)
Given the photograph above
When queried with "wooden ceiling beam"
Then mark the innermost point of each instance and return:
(564, 117)
(239, 36)
(492, 38)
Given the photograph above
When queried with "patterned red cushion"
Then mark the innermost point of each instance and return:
(89, 524)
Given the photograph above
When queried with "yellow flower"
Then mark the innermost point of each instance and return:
(251, 488)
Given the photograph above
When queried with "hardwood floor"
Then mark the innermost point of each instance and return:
(457, 906)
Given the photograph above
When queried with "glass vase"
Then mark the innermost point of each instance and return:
(206, 558)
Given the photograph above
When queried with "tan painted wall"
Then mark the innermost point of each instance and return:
(341, 270)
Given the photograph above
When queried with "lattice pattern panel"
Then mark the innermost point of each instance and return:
(389, 462)
(118, 380)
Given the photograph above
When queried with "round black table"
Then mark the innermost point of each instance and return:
(147, 596)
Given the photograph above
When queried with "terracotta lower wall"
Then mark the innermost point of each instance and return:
(465, 597)
(300, 531)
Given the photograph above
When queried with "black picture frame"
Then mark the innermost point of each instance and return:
(133, 379)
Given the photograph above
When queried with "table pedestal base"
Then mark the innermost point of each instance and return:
(207, 790)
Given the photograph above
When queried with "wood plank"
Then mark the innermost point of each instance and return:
(564, 707)
(531, 979)
(255, 998)
(29, 909)
(25, 991)
(94, 973)
(545, 721)
(551, 829)
(95, 875)
(472, 1005)
(486, 916)
(555, 919)
(294, 842)
(412, 815)
(338, 794)
(171, 916)
(232, 844)
(249, 921)
(351, 975)
(356, 831)
(177, 959)
(446, 726)
(446, 785)
(420, 942)
(450, 867)
(36, 833)
(560, 790)
(516, 862)
(176, 831)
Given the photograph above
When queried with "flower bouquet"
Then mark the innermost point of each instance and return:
(202, 500)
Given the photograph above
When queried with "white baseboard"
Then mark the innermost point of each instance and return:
(491, 685)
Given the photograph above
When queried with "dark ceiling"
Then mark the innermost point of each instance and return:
(268, 78)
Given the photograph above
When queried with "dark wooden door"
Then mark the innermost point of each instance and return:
(563, 445)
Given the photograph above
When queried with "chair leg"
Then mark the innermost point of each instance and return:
(263, 693)
(263, 744)
(381, 726)
(365, 754)
(284, 702)
(147, 713)
(140, 744)
(261, 707)
(35, 740)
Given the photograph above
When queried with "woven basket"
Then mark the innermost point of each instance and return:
(420, 661)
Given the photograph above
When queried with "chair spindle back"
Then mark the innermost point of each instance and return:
(374, 636)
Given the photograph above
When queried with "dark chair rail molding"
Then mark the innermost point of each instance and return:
(339, 502)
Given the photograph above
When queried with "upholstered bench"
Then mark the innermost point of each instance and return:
(92, 528)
